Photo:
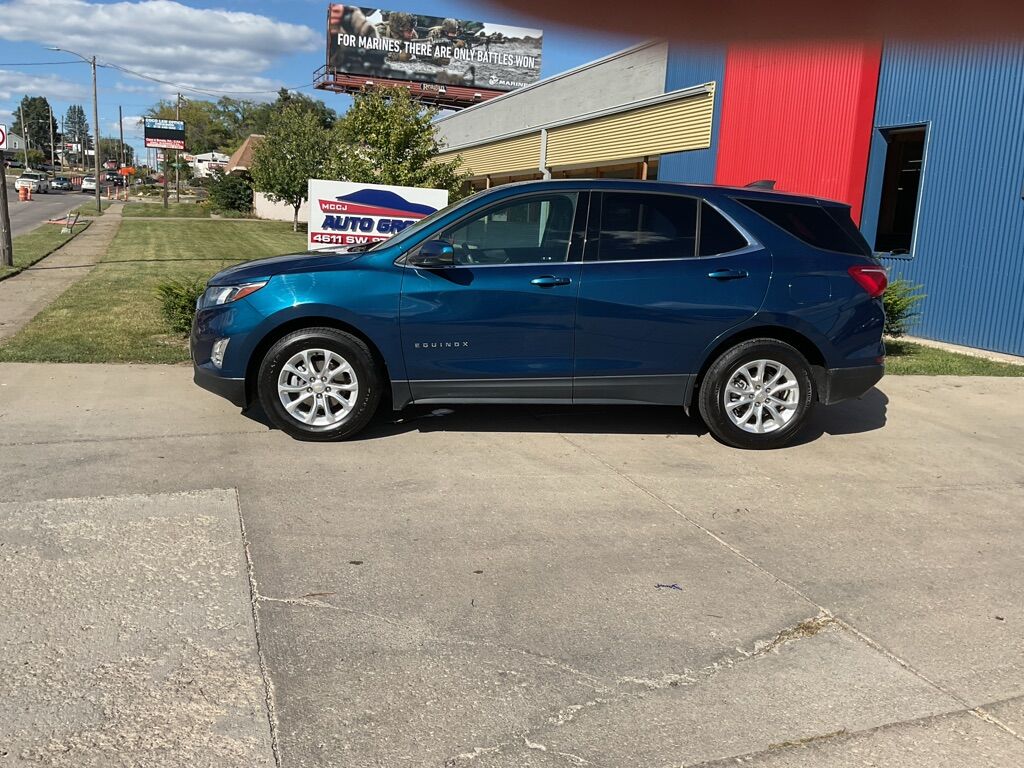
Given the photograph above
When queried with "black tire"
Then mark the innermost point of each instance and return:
(352, 350)
(712, 395)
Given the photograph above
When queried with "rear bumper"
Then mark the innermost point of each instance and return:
(845, 383)
(232, 390)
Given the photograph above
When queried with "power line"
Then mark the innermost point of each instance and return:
(41, 63)
(211, 93)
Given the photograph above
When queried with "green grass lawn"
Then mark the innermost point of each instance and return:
(113, 314)
(173, 210)
(35, 245)
(89, 208)
(906, 358)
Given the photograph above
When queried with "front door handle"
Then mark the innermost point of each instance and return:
(727, 274)
(548, 281)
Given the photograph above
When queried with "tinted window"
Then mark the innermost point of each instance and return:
(810, 223)
(522, 231)
(640, 226)
(717, 235)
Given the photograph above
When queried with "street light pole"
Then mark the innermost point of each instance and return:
(24, 129)
(96, 122)
(96, 133)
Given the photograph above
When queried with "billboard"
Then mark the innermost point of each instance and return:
(163, 134)
(394, 45)
(347, 213)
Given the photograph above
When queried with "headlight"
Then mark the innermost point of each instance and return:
(224, 294)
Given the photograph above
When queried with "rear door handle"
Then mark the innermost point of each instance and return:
(548, 281)
(727, 274)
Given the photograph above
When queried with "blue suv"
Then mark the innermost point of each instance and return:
(748, 305)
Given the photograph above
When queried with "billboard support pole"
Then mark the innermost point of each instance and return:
(177, 154)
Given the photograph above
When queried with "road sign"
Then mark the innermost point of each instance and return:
(3, 136)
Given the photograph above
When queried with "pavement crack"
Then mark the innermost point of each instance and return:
(268, 684)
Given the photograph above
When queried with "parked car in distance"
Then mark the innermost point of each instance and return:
(62, 183)
(745, 305)
(12, 163)
(34, 181)
(89, 184)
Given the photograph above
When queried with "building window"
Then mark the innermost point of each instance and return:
(901, 185)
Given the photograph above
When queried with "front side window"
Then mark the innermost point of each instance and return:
(521, 231)
(639, 226)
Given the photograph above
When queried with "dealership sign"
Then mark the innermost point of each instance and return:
(164, 134)
(404, 47)
(346, 213)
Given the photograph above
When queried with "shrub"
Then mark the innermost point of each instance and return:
(230, 193)
(901, 301)
(178, 302)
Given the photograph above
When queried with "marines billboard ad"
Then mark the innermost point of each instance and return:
(370, 42)
(346, 213)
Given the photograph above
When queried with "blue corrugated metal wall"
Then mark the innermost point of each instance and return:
(686, 66)
(969, 249)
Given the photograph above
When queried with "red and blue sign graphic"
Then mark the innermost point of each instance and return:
(344, 213)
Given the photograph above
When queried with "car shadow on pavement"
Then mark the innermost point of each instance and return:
(864, 414)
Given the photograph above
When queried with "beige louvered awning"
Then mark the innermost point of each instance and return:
(674, 126)
(675, 122)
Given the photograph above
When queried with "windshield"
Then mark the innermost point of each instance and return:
(411, 231)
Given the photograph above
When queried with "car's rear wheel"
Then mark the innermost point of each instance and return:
(319, 384)
(757, 394)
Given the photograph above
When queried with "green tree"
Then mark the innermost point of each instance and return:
(293, 151)
(37, 125)
(76, 128)
(205, 128)
(388, 138)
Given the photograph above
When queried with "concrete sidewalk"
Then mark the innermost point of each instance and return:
(26, 294)
(545, 586)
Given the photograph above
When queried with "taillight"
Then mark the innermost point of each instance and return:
(871, 279)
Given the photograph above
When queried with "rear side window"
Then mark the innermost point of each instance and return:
(638, 226)
(830, 230)
(717, 235)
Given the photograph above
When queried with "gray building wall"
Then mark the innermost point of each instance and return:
(635, 74)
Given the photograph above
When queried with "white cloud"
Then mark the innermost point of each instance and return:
(200, 47)
(14, 85)
(132, 126)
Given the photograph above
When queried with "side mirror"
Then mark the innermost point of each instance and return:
(433, 254)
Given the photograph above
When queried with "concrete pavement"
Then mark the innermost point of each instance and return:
(605, 587)
(27, 293)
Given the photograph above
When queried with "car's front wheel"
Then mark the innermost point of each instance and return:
(757, 394)
(319, 384)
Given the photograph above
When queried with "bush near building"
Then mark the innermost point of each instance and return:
(230, 193)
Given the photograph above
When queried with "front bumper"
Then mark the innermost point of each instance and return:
(209, 379)
(841, 384)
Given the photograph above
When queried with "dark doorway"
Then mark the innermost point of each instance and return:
(901, 184)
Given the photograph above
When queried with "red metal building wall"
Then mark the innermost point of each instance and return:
(801, 115)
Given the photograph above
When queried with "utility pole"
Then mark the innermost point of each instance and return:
(177, 154)
(24, 130)
(6, 247)
(120, 124)
(96, 133)
(52, 163)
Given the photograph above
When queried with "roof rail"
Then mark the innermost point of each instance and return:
(762, 184)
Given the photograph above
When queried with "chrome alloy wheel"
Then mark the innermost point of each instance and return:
(761, 396)
(317, 387)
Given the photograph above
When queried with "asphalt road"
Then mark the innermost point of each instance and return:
(26, 216)
(509, 587)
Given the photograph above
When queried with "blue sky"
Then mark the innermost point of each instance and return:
(217, 46)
